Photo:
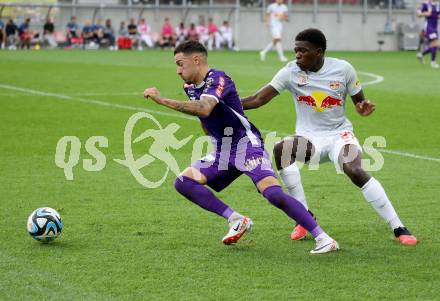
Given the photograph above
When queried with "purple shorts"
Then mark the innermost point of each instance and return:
(222, 168)
(431, 34)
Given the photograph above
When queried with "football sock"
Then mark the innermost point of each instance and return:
(234, 216)
(321, 236)
(292, 180)
(268, 47)
(279, 48)
(202, 196)
(376, 196)
(293, 208)
(433, 53)
(426, 51)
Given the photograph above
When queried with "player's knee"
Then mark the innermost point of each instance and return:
(351, 169)
(179, 184)
(183, 184)
(283, 153)
(356, 174)
(277, 153)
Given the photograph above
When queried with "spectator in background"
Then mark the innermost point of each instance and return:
(226, 35)
(2, 36)
(213, 35)
(123, 32)
(87, 33)
(98, 32)
(132, 30)
(72, 30)
(49, 33)
(124, 41)
(109, 34)
(181, 33)
(25, 34)
(167, 36)
(11, 31)
(144, 35)
(202, 30)
(193, 34)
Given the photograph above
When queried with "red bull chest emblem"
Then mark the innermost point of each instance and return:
(320, 101)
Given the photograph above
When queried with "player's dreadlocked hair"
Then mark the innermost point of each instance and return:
(314, 36)
(190, 47)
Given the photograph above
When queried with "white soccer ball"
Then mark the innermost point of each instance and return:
(44, 224)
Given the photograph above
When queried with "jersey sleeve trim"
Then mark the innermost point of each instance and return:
(210, 95)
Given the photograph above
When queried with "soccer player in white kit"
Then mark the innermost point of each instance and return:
(276, 13)
(319, 86)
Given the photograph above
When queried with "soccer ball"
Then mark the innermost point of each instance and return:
(44, 224)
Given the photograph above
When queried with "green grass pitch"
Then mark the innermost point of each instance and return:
(122, 241)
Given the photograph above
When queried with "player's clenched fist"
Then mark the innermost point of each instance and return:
(152, 93)
(365, 107)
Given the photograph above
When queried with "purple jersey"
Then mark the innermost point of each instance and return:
(431, 21)
(227, 119)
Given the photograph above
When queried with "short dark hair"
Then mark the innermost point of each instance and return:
(190, 47)
(313, 36)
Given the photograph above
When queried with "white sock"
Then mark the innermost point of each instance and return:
(322, 236)
(279, 48)
(234, 216)
(376, 196)
(292, 180)
(268, 48)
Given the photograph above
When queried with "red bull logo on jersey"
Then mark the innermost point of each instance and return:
(320, 101)
(335, 85)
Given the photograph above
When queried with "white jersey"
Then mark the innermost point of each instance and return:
(276, 12)
(319, 96)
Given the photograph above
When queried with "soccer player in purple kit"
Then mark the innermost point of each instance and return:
(238, 147)
(431, 11)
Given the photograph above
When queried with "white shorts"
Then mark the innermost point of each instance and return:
(328, 148)
(276, 31)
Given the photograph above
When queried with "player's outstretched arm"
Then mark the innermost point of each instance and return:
(364, 107)
(262, 97)
(200, 108)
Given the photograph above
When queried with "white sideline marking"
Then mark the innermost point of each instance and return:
(175, 115)
(404, 154)
(377, 78)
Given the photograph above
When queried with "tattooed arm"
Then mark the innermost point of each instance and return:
(200, 108)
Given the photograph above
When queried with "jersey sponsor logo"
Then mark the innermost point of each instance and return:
(346, 136)
(221, 86)
(334, 85)
(320, 101)
(302, 80)
(253, 163)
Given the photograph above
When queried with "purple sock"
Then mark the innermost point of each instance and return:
(202, 196)
(433, 53)
(293, 208)
(426, 51)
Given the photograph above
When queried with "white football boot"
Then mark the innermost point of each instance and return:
(237, 228)
(325, 245)
(419, 56)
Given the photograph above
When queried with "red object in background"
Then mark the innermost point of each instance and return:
(77, 41)
(124, 43)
